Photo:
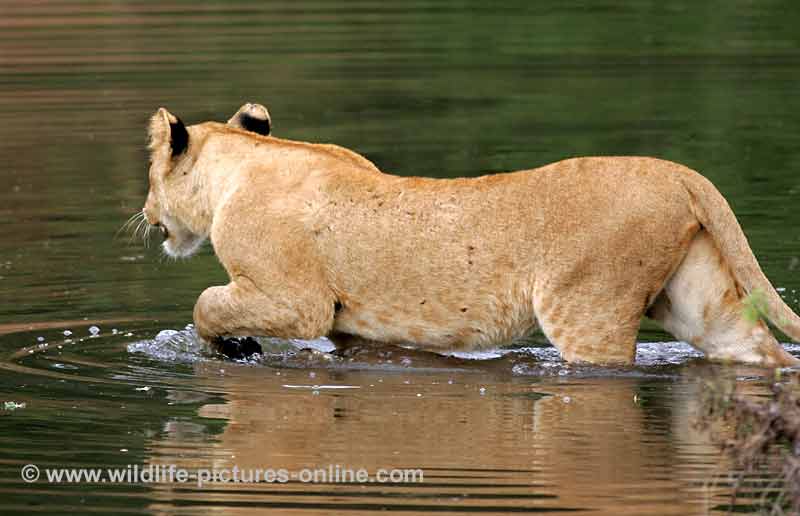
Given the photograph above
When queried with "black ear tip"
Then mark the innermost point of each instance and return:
(179, 136)
(254, 124)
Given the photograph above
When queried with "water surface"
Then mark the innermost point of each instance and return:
(439, 89)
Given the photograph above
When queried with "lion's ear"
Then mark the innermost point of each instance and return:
(252, 117)
(168, 129)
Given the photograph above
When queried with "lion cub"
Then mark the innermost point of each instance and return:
(316, 240)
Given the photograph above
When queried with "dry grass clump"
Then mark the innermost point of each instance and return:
(759, 435)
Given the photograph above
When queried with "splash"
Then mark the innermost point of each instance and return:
(652, 358)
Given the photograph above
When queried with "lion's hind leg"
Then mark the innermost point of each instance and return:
(703, 305)
(586, 331)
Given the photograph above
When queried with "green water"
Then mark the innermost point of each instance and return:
(421, 88)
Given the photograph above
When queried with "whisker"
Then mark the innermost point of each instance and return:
(144, 232)
(139, 231)
(142, 222)
(128, 223)
(135, 229)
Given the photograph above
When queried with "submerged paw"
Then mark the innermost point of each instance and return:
(238, 348)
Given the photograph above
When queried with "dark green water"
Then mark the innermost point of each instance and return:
(424, 88)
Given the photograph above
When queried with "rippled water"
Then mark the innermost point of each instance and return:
(424, 88)
(512, 431)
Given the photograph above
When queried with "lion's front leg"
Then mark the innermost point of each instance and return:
(241, 309)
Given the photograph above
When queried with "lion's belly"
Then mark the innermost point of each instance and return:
(459, 320)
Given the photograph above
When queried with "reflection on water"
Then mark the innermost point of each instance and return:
(509, 431)
(422, 88)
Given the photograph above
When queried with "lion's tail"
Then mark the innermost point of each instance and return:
(714, 213)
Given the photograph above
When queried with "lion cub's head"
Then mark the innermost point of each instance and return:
(172, 202)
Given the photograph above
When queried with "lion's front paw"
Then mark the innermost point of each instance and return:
(237, 348)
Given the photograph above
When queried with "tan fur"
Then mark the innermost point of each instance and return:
(260, 112)
(580, 248)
